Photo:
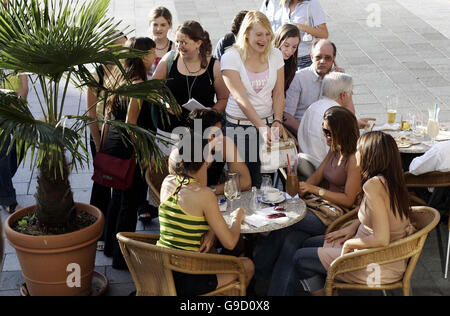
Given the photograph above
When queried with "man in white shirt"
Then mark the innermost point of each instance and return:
(437, 158)
(306, 87)
(337, 91)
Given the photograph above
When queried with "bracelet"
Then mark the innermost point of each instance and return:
(276, 120)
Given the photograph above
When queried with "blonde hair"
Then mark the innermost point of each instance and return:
(252, 18)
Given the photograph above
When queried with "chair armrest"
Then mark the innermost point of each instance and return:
(338, 223)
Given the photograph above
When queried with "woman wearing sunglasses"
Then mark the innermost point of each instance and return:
(343, 175)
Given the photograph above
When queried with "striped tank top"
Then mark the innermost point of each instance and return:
(179, 229)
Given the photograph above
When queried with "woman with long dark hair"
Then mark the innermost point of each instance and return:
(341, 171)
(194, 75)
(122, 210)
(287, 40)
(382, 218)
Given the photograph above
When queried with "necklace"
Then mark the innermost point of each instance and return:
(165, 47)
(191, 72)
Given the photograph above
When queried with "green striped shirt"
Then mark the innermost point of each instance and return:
(179, 229)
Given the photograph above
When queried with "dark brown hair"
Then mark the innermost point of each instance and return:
(189, 162)
(161, 12)
(209, 117)
(134, 68)
(195, 32)
(237, 21)
(290, 66)
(344, 129)
(379, 155)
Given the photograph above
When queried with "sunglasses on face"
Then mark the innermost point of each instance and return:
(326, 132)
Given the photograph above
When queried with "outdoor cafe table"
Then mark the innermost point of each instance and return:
(414, 144)
(295, 213)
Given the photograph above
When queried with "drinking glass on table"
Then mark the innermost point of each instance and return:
(433, 124)
(391, 108)
(266, 184)
(292, 186)
(235, 177)
(417, 124)
(231, 191)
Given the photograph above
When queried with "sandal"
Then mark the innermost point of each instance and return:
(147, 212)
(100, 245)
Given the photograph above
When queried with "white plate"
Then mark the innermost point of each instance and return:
(279, 200)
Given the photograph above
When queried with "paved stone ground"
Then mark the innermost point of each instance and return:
(407, 54)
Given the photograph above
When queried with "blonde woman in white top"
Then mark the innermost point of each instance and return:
(253, 71)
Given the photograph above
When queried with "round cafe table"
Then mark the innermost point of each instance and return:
(295, 213)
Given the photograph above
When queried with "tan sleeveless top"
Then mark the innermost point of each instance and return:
(392, 272)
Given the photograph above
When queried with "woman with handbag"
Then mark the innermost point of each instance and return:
(122, 210)
(253, 71)
(383, 218)
(343, 175)
(310, 19)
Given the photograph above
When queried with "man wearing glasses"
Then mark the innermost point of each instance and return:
(306, 87)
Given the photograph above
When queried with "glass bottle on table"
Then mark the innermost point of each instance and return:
(292, 186)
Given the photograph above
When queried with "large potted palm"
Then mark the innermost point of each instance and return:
(55, 42)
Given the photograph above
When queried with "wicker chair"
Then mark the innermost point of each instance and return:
(433, 179)
(154, 179)
(151, 266)
(424, 220)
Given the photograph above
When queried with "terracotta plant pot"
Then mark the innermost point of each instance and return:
(60, 265)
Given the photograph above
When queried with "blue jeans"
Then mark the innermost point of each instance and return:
(278, 251)
(247, 142)
(8, 167)
(304, 62)
(307, 264)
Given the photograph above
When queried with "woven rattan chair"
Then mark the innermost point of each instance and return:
(435, 179)
(151, 266)
(424, 220)
(154, 179)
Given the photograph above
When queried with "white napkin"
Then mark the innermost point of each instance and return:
(280, 220)
(288, 196)
(389, 127)
(443, 135)
(257, 220)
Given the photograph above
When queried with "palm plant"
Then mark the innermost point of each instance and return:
(57, 41)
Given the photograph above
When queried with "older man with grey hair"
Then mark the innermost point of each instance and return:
(337, 90)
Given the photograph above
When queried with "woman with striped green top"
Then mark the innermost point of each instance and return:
(190, 219)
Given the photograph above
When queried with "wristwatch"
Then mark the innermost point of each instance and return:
(213, 187)
(321, 192)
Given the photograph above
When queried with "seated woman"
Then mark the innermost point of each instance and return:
(187, 199)
(343, 175)
(287, 40)
(225, 150)
(382, 218)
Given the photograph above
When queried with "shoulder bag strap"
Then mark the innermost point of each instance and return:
(170, 61)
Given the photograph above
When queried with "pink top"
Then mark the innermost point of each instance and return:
(389, 273)
(336, 175)
(258, 80)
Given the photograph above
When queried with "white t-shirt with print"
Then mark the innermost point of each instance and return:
(262, 101)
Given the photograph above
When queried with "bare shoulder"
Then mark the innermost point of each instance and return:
(374, 185)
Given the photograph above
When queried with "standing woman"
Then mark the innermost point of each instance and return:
(287, 40)
(122, 210)
(309, 17)
(160, 24)
(253, 71)
(193, 74)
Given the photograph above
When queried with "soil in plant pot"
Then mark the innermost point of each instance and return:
(29, 225)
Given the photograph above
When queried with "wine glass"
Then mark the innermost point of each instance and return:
(230, 191)
(235, 177)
